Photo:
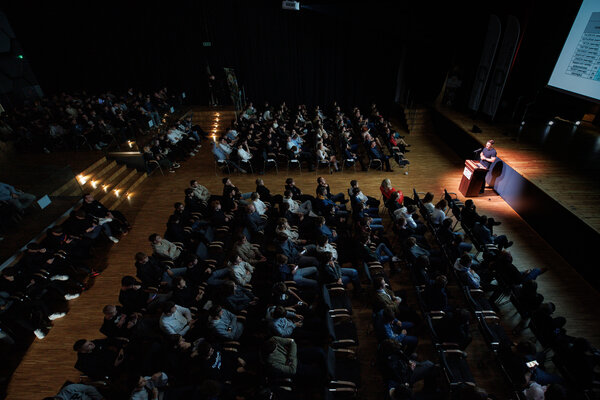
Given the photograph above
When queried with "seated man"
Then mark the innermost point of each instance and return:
(253, 221)
(332, 273)
(240, 271)
(200, 192)
(483, 234)
(15, 197)
(176, 319)
(295, 208)
(164, 248)
(283, 359)
(466, 273)
(297, 194)
(323, 204)
(154, 273)
(135, 299)
(224, 324)
(94, 208)
(388, 327)
(117, 324)
(223, 157)
(81, 225)
(323, 230)
(77, 391)
(296, 254)
(99, 358)
(367, 200)
(289, 272)
(337, 198)
(247, 251)
(376, 153)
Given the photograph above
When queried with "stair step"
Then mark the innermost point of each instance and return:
(120, 182)
(141, 176)
(111, 177)
(90, 170)
(69, 187)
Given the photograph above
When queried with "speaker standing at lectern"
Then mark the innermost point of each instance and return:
(487, 156)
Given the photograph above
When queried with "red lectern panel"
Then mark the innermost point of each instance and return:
(472, 178)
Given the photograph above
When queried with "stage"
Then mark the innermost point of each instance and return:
(557, 199)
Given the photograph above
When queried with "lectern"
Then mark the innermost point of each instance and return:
(472, 178)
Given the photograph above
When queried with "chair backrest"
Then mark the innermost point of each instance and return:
(326, 297)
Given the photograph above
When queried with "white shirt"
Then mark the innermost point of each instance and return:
(174, 135)
(361, 196)
(401, 212)
(322, 154)
(293, 206)
(328, 248)
(226, 148)
(261, 208)
(244, 155)
(430, 207)
(437, 216)
(176, 323)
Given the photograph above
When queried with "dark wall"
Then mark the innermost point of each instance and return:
(310, 56)
(345, 50)
(332, 49)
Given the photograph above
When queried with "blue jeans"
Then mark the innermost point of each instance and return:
(372, 212)
(300, 277)
(532, 275)
(350, 275)
(176, 272)
(217, 277)
(383, 257)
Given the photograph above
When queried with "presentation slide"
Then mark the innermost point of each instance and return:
(578, 67)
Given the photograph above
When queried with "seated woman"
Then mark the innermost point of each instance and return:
(387, 189)
(323, 154)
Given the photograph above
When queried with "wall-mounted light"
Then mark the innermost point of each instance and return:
(550, 123)
(577, 122)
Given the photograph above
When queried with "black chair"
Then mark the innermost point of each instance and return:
(343, 366)
(341, 330)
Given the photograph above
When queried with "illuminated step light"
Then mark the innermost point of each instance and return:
(550, 123)
(577, 122)
(522, 123)
(105, 188)
(82, 179)
(94, 184)
(117, 192)
(218, 114)
(130, 144)
(129, 196)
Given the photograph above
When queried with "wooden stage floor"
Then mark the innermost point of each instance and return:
(574, 190)
(49, 362)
